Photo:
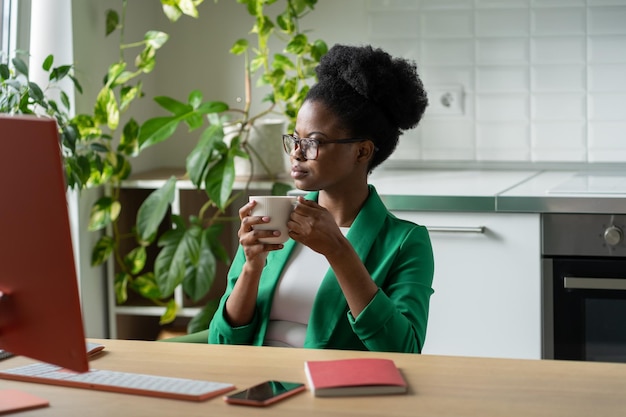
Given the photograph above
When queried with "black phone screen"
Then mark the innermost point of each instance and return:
(265, 393)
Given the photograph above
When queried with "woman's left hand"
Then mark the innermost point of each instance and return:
(313, 226)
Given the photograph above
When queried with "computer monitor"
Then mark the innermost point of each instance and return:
(40, 313)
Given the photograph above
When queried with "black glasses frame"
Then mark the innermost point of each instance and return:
(308, 145)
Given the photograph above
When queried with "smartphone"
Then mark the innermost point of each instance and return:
(265, 393)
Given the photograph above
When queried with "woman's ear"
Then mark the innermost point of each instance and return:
(365, 151)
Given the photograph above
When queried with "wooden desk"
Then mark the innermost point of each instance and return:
(439, 385)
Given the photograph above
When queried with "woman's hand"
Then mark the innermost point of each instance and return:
(241, 304)
(314, 226)
(255, 251)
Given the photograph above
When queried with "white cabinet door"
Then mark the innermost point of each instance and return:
(487, 299)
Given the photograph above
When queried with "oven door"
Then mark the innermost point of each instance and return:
(589, 309)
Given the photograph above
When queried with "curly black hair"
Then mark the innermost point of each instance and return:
(375, 95)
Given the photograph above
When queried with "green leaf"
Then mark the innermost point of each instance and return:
(127, 95)
(124, 77)
(239, 47)
(188, 7)
(77, 85)
(103, 212)
(146, 286)
(285, 23)
(318, 50)
(202, 320)
(106, 110)
(301, 6)
(171, 310)
(297, 45)
(69, 134)
(157, 130)
(156, 39)
(120, 285)
(65, 100)
(145, 61)
(102, 250)
(199, 158)
(194, 121)
(173, 13)
(195, 99)
(219, 184)
(59, 73)
(178, 246)
(35, 92)
(122, 169)
(173, 106)
(257, 63)
(263, 26)
(135, 260)
(200, 275)
(5, 72)
(114, 71)
(129, 144)
(47, 63)
(282, 62)
(212, 107)
(153, 210)
(20, 66)
(98, 147)
(112, 21)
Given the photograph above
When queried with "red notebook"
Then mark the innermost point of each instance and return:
(12, 400)
(347, 377)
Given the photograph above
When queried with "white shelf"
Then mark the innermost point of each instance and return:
(151, 180)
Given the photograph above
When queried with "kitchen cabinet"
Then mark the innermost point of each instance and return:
(487, 299)
(138, 318)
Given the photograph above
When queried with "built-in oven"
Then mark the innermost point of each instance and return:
(584, 287)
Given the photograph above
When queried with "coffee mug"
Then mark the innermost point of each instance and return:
(278, 209)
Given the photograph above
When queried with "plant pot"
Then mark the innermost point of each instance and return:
(264, 145)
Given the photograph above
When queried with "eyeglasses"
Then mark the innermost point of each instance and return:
(310, 147)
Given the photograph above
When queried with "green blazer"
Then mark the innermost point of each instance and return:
(398, 255)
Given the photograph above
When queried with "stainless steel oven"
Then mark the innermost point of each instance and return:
(584, 287)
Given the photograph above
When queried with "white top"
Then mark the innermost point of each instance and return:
(294, 296)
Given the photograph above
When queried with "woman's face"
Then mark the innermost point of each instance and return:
(337, 165)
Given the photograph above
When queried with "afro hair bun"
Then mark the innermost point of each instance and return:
(391, 84)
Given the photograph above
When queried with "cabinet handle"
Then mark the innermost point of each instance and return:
(594, 283)
(456, 229)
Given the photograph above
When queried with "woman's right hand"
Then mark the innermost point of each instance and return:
(241, 304)
(255, 251)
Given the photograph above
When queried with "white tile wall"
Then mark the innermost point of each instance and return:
(543, 80)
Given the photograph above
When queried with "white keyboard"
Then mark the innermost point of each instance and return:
(115, 381)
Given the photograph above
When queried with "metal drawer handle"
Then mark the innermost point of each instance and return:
(594, 283)
(456, 229)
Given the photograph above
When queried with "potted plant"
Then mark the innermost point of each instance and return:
(99, 147)
(190, 250)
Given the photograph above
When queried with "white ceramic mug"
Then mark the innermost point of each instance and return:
(278, 209)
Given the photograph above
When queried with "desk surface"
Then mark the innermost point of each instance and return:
(439, 385)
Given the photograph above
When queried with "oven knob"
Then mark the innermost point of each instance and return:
(613, 235)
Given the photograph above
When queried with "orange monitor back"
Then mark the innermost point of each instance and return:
(40, 314)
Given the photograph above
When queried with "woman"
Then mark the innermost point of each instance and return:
(352, 276)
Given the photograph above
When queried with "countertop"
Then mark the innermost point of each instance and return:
(540, 191)
(470, 190)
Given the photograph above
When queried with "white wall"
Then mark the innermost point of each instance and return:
(542, 81)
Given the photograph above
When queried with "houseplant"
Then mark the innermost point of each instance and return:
(190, 250)
(99, 147)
